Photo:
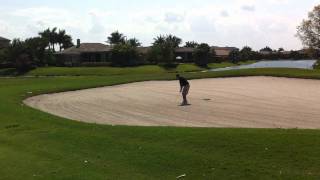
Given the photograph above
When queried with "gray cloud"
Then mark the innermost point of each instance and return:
(250, 8)
(224, 13)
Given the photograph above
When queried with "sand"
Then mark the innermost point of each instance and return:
(246, 102)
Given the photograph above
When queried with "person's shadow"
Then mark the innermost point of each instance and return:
(206, 99)
(182, 105)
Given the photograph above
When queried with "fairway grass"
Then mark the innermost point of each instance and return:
(36, 145)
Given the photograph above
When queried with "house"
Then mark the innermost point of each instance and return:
(4, 42)
(222, 52)
(143, 50)
(265, 53)
(89, 53)
(184, 54)
(84, 53)
(99, 53)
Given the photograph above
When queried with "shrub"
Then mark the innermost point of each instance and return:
(317, 65)
(202, 55)
(234, 56)
(124, 55)
(23, 63)
(161, 53)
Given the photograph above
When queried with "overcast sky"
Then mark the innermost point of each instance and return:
(256, 23)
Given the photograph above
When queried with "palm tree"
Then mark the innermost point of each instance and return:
(171, 40)
(174, 40)
(116, 38)
(191, 44)
(53, 37)
(134, 42)
(60, 38)
(64, 40)
(267, 48)
(67, 42)
(163, 49)
(46, 34)
(159, 40)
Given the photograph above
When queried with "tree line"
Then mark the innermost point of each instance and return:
(162, 51)
(35, 51)
(125, 52)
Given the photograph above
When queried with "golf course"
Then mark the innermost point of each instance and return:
(160, 90)
(39, 145)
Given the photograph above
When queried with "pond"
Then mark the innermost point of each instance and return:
(301, 64)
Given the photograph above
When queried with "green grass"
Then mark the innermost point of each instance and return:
(317, 65)
(36, 145)
(97, 71)
(228, 64)
(188, 68)
(108, 71)
(247, 62)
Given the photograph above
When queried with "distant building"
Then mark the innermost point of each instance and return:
(89, 53)
(4, 42)
(223, 52)
(84, 52)
(264, 52)
(184, 54)
(143, 50)
(98, 52)
(285, 52)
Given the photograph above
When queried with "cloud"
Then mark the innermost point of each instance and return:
(202, 24)
(4, 28)
(46, 15)
(250, 8)
(224, 13)
(173, 17)
(151, 19)
(279, 1)
(216, 23)
(97, 27)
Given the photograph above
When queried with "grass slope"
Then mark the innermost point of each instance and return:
(36, 145)
(108, 71)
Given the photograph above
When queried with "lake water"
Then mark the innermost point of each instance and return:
(301, 64)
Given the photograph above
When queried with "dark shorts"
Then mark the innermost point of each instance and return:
(185, 90)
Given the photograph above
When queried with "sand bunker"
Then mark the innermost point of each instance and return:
(250, 102)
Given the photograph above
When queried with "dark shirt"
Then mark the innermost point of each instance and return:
(183, 81)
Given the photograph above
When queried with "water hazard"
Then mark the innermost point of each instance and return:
(301, 64)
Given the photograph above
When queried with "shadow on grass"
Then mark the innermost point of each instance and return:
(169, 66)
(12, 72)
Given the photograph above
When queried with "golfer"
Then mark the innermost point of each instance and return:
(184, 89)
